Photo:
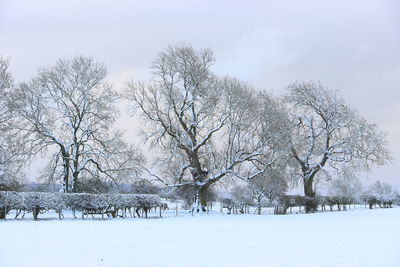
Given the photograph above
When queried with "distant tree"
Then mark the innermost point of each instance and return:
(207, 127)
(142, 186)
(241, 199)
(383, 193)
(268, 185)
(346, 189)
(325, 132)
(6, 79)
(70, 108)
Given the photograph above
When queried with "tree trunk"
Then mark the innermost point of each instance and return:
(66, 163)
(65, 172)
(75, 172)
(259, 206)
(2, 213)
(202, 195)
(75, 182)
(308, 188)
(310, 206)
(35, 213)
(137, 212)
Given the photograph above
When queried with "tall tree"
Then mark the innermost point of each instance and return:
(71, 108)
(12, 155)
(326, 133)
(206, 127)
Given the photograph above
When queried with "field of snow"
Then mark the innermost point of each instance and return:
(358, 237)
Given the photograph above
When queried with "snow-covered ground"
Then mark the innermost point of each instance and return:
(358, 237)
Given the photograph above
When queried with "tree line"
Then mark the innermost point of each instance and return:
(204, 129)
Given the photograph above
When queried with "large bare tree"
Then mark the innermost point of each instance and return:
(206, 127)
(12, 154)
(328, 134)
(70, 108)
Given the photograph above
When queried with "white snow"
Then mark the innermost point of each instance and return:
(354, 238)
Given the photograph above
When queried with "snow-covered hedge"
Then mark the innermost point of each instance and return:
(288, 201)
(83, 201)
(340, 202)
(87, 203)
(381, 194)
(383, 201)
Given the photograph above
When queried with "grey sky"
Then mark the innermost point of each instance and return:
(351, 46)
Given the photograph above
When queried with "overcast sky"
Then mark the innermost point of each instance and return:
(351, 46)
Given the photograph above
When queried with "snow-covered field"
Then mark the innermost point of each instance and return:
(354, 238)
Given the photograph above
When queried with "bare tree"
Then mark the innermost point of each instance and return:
(6, 79)
(268, 185)
(327, 133)
(383, 194)
(70, 108)
(346, 188)
(206, 127)
(12, 156)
